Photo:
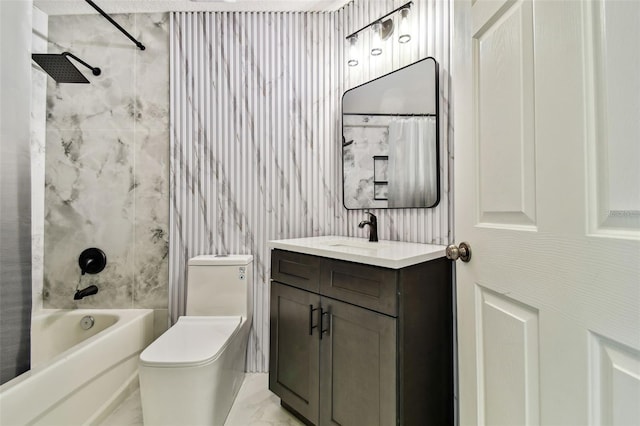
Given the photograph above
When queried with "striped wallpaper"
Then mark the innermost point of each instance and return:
(430, 37)
(255, 131)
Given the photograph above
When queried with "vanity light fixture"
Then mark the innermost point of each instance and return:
(382, 29)
(405, 34)
(353, 51)
(376, 39)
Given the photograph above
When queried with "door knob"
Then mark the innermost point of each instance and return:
(462, 252)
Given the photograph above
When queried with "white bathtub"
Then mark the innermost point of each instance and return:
(77, 376)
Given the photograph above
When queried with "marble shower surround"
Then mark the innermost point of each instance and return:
(107, 168)
(369, 137)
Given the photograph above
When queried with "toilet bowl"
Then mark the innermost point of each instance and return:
(192, 373)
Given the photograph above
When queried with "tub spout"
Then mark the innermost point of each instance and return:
(89, 291)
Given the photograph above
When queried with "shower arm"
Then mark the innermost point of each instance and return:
(122, 30)
(94, 70)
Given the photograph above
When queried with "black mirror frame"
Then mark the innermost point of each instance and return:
(437, 117)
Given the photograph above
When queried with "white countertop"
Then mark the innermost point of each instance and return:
(388, 254)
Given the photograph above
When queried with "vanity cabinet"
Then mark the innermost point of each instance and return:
(357, 344)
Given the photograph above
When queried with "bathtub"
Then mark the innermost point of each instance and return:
(77, 376)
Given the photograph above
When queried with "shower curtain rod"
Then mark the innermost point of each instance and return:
(110, 19)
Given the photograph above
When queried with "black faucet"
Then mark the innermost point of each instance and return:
(91, 261)
(89, 291)
(373, 227)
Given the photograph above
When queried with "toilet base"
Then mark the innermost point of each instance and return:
(200, 395)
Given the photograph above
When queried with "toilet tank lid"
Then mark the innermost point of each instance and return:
(230, 259)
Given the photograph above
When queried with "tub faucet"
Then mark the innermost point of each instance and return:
(373, 227)
(88, 291)
(92, 261)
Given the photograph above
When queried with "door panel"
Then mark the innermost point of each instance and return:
(614, 151)
(503, 63)
(615, 370)
(508, 348)
(549, 306)
(358, 367)
(294, 350)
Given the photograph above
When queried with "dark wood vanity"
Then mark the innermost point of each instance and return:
(357, 344)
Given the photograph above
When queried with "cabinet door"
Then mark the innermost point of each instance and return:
(357, 366)
(293, 363)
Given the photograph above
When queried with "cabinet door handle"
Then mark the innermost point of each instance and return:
(322, 329)
(311, 326)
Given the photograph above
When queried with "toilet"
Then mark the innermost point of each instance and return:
(192, 373)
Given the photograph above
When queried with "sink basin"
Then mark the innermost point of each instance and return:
(356, 244)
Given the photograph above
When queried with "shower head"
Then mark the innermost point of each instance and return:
(60, 68)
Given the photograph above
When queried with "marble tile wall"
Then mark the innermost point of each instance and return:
(253, 143)
(429, 22)
(107, 168)
(255, 135)
(273, 168)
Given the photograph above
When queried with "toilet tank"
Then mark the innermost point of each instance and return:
(219, 285)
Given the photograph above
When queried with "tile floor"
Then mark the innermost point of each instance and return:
(255, 405)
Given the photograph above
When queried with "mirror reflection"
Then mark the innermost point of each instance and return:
(391, 140)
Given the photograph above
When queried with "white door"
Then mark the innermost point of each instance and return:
(547, 194)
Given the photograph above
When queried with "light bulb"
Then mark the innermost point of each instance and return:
(405, 33)
(376, 42)
(353, 51)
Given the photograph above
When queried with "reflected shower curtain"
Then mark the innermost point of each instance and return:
(412, 174)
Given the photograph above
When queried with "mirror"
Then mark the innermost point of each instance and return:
(390, 140)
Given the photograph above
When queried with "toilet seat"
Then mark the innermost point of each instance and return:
(192, 341)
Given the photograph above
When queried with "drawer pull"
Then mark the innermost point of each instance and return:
(311, 326)
(322, 329)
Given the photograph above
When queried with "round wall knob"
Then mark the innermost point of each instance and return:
(462, 252)
(92, 261)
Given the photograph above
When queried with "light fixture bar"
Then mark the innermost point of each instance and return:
(404, 6)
